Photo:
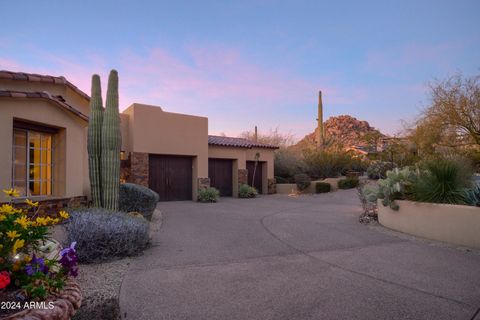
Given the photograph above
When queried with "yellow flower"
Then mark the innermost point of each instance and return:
(19, 243)
(12, 234)
(11, 193)
(8, 209)
(31, 203)
(2, 217)
(64, 214)
(27, 259)
(40, 221)
(23, 221)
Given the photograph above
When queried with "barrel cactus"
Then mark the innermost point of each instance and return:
(94, 141)
(111, 144)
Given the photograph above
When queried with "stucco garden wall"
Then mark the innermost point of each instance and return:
(454, 224)
(287, 188)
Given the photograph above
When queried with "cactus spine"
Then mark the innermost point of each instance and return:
(94, 141)
(111, 144)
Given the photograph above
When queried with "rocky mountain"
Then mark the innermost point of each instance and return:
(342, 131)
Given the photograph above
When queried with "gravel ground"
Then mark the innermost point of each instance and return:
(101, 282)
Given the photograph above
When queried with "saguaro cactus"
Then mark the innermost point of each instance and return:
(94, 141)
(111, 144)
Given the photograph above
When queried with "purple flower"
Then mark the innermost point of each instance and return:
(36, 265)
(69, 260)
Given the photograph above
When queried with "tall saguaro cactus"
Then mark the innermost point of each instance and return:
(94, 141)
(111, 144)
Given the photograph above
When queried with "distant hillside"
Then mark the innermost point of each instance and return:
(342, 131)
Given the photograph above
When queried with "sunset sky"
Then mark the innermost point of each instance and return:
(246, 63)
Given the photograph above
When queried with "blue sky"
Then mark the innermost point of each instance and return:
(246, 63)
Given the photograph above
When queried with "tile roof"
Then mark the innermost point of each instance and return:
(58, 100)
(11, 75)
(237, 142)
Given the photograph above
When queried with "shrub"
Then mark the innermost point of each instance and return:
(322, 187)
(302, 181)
(378, 169)
(326, 164)
(208, 195)
(443, 181)
(101, 234)
(246, 191)
(137, 198)
(287, 163)
(281, 180)
(348, 183)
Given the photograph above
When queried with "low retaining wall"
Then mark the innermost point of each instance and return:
(454, 224)
(287, 188)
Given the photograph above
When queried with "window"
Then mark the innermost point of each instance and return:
(32, 162)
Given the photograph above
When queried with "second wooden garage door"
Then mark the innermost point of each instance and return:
(171, 177)
(220, 174)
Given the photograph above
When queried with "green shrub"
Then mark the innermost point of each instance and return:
(281, 180)
(443, 181)
(208, 195)
(348, 183)
(326, 164)
(378, 169)
(322, 187)
(302, 181)
(102, 234)
(287, 163)
(137, 198)
(246, 191)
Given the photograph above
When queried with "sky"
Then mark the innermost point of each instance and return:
(246, 63)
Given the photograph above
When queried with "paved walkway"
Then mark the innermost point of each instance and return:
(277, 257)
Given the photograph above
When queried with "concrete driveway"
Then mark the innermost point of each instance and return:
(277, 257)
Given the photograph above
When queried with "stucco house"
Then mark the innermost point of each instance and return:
(43, 130)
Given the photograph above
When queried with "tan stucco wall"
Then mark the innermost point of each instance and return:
(70, 96)
(455, 224)
(267, 155)
(71, 173)
(229, 153)
(152, 130)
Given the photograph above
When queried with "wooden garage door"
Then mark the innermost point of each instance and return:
(220, 174)
(258, 175)
(171, 177)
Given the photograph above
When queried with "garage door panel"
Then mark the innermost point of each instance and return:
(171, 177)
(221, 176)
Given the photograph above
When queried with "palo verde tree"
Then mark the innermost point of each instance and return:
(453, 117)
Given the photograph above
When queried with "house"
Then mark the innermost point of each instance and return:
(43, 130)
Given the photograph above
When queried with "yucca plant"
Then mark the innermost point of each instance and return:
(444, 181)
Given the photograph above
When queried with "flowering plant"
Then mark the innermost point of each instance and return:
(23, 236)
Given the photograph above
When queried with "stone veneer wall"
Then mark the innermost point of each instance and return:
(139, 168)
(242, 176)
(272, 186)
(203, 183)
(51, 207)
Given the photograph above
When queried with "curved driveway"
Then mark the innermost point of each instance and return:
(277, 257)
